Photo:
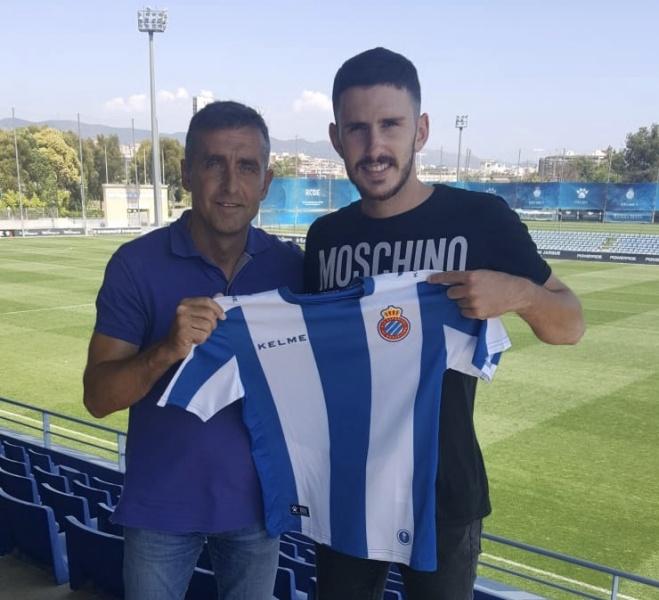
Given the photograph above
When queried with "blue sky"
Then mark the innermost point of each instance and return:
(536, 75)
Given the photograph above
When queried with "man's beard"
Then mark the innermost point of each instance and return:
(405, 173)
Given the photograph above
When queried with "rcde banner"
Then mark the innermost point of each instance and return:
(507, 191)
(631, 197)
(292, 201)
(582, 196)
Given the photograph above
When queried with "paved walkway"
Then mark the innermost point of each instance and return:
(21, 580)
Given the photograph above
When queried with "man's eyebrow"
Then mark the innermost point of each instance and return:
(213, 156)
(249, 162)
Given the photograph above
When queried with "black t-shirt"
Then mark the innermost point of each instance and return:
(452, 230)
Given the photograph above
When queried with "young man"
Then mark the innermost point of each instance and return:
(186, 480)
(488, 259)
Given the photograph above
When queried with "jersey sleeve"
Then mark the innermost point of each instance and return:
(207, 380)
(476, 349)
(512, 250)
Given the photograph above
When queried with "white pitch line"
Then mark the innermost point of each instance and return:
(31, 310)
(555, 576)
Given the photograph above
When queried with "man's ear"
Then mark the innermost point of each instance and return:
(269, 174)
(334, 138)
(422, 132)
(185, 175)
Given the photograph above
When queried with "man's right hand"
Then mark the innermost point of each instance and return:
(118, 375)
(196, 319)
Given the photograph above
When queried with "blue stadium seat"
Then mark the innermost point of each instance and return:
(202, 586)
(38, 459)
(14, 466)
(93, 495)
(308, 555)
(103, 520)
(64, 504)
(288, 548)
(285, 585)
(303, 571)
(6, 538)
(24, 488)
(33, 530)
(394, 586)
(392, 595)
(94, 556)
(73, 475)
(312, 590)
(296, 536)
(114, 489)
(59, 482)
(15, 452)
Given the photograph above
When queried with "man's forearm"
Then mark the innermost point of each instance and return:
(554, 315)
(114, 385)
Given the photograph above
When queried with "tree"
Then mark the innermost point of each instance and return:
(108, 147)
(641, 155)
(284, 166)
(172, 153)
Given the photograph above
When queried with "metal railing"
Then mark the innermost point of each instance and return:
(616, 576)
(42, 427)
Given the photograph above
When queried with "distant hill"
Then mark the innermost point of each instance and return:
(321, 149)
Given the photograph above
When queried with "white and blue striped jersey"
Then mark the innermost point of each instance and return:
(342, 398)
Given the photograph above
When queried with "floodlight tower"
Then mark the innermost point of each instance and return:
(460, 123)
(153, 20)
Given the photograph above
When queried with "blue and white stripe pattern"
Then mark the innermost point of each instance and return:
(342, 398)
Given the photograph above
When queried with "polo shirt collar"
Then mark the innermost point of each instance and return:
(182, 244)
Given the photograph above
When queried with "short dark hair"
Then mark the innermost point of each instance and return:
(377, 66)
(225, 114)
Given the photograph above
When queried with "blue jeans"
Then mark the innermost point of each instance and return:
(159, 565)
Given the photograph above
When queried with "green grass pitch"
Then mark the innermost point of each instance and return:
(570, 434)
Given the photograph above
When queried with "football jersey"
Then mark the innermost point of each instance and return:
(342, 398)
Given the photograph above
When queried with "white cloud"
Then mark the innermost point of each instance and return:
(166, 96)
(134, 103)
(312, 101)
(137, 103)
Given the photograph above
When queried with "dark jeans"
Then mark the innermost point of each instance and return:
(342, 577)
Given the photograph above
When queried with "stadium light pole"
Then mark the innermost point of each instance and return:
(152, 20)
(460, 123)
(18, 173)
(82, 181)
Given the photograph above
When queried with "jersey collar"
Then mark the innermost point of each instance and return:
(181, 242)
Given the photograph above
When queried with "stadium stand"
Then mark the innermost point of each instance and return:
(94, 556)
(32, 529)
(285, 584)
(597, 242)
(23, 488)
(113, 488)
(16, 452)
(14, 466)
(38, 459)
(95, 546)
(73, 475)
(104, 523)
(58, 482)
(93, 495)
(64, 505)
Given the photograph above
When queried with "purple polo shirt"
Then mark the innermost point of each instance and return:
(184, 475)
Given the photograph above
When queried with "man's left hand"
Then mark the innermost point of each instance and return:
(483, 294)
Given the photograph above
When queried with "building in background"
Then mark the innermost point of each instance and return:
(198, 102)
